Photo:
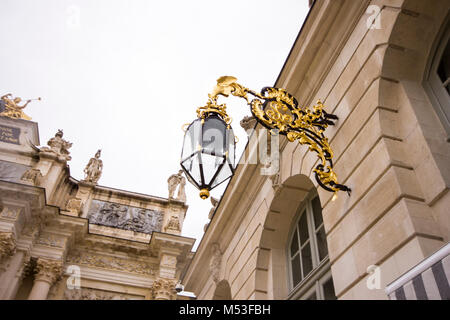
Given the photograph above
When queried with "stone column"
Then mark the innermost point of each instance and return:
(47, 272)
(7, 250)
(164, 289)
(11, 279)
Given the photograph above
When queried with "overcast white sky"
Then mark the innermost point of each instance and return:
(125, 75)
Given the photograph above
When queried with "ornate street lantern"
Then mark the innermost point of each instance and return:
(208, 151)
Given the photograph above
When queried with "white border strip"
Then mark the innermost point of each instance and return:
(418, 269)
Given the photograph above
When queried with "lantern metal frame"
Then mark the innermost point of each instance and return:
(275, 108)
(203, 185)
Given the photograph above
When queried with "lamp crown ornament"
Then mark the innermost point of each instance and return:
(209, 145)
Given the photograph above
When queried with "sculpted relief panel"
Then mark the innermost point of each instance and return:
(80, 257)
(10, 171)
(125, 217)
(94, 294)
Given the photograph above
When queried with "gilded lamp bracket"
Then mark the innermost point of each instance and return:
(275, 108)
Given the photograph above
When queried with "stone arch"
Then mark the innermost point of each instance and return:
(412, 43)
(412, 39)
(271, 267)
(223, 291)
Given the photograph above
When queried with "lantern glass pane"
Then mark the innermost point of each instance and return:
(213, 138)
(191, 139)
(223, 175)
(211, 164)
(192, 166)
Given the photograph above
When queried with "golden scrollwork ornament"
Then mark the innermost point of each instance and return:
(276, 109)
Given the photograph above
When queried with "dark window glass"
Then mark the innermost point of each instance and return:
(294, 244)
(444, 68)
(317, 212)
(303, 228)
(306, 260)
(328, 290)
(322, 243)
(296, 272)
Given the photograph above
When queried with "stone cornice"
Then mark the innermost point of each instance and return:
(321, 39)
(99, 190)
(121, 245)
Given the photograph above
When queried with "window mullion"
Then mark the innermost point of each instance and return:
(312, 235)
(300, 252)
(308, 253)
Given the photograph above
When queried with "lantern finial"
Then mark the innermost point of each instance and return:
(204, 194)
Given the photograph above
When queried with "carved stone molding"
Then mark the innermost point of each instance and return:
(51, 240)
(26, 268)
(168, 266)
(173, 225)
(215, 262)
(32, 176)
(248, 123)
(74, 205)
(125, 217)
(7, 245)
(95, 294)
(31, 229)
(168, 261)
(10, 213)
(215, 203)
(276, 181)
(111, 263)
(164, 289)
(48, 270)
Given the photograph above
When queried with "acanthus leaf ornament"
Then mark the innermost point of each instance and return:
(276, 109)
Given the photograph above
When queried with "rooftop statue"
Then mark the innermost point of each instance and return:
(94, 168)
(9, 107)
(174, 181)
(58, 146)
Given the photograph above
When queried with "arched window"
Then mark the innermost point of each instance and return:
(438, 80)
(310, 274)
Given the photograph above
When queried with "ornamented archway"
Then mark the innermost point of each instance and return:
(412, 46)
(271, 266)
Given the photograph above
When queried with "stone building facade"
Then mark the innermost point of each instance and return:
(383, 67)
(66, 239)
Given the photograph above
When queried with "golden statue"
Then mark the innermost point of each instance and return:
(9, 107)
